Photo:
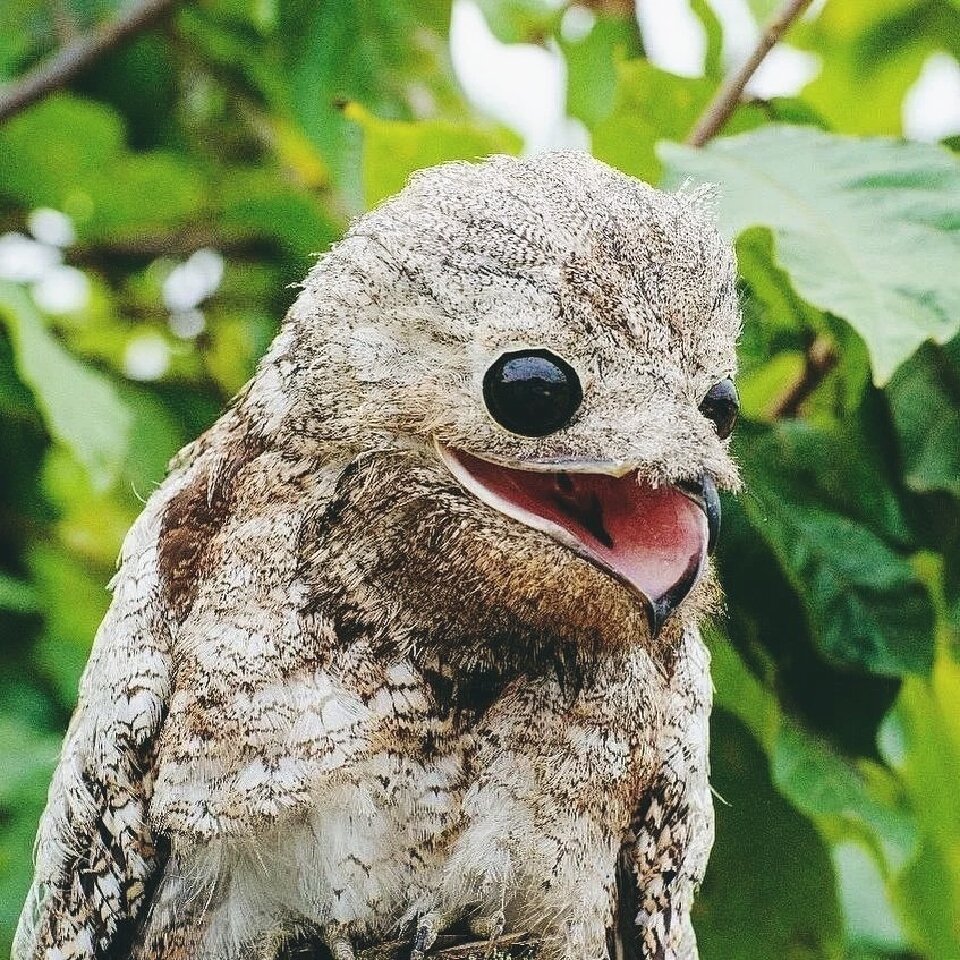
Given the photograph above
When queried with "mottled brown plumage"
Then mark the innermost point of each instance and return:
(339, 689)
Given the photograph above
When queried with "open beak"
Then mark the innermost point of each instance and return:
(653, 540)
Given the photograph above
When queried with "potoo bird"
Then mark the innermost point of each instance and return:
(409, 637)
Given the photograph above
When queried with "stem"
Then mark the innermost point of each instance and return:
(725, 101)
(821, 359)
(80, 54)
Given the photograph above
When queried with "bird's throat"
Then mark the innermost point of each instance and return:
(654, 540)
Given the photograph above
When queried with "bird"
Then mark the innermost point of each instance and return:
(410, 637)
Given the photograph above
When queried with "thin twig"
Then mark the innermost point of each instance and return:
(725, 101)
(81, 53)
(821, 359)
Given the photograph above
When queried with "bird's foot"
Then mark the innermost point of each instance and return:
(339, 946)
(429, 927)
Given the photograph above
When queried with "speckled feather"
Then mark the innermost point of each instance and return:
(334, 690)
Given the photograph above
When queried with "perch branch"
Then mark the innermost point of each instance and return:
(457, 948)
(725, 101)
(73, 58)
(821, 359)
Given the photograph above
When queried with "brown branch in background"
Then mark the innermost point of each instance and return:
(725, 101)
(821, 359)
(176, 243)
(75, 57)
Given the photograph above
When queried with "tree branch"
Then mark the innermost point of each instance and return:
(821, 359)
(79, 54)
(725, 101)
(516, 945)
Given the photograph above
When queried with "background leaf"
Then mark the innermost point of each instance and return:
(867, 229)
(96, 430)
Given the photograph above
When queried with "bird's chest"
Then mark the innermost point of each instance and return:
(374, 840)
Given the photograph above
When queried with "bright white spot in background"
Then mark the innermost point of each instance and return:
(189, 283)
(931, 108)
(62, 289)
(24, 260)
(675, 40)
(421, 99)
(147, 357)
(577, 23)
(521, 85)
(784, 72)
(52, 227)
(673, 36)
(188, 324)
(868, 915)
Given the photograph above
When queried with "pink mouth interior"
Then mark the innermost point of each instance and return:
(654, 540)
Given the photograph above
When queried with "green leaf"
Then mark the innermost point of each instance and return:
(871, 52)
(79, 406)
(142, 193)
(254, 202)
(864, 601)
(394, 149)
(16, 596)
(858, 807)
(521, 21)
(712, 61)
(921, 739)
(592, 65)
(769, 872)
(28, 760)
(847, 800)
(924, 397)
(867, 229)
(70, 154)
(49, 153)
(388, 56)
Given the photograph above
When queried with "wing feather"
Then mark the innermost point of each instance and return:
(96, 855)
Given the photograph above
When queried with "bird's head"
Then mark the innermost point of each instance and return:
(554, 342)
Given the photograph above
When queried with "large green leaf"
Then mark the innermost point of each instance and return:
(56, 147)
(858, 807)
(80, 407)
(593, 64)
(924, 398)
(865, 603)
(521, 21)
(922, 741)
(769, 873)
(867, 229)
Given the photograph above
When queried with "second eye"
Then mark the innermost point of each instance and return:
(532, 392)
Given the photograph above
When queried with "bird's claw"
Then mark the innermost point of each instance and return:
(431, 925)
(428, 927)
(339, 946)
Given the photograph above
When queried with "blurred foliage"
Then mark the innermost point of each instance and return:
(203, 166)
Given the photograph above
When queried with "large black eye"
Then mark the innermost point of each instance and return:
(531, 392)
(721, 405)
